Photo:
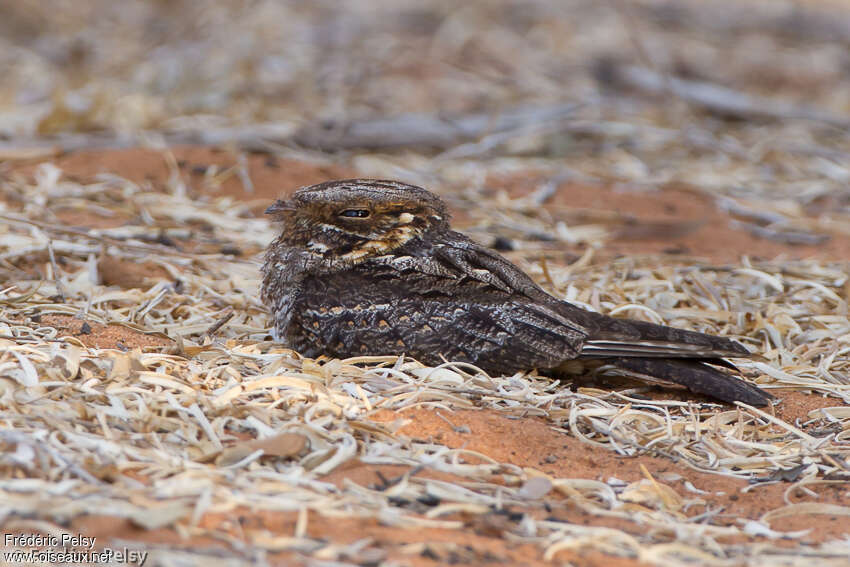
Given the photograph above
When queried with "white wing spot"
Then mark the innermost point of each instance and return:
(317, 246)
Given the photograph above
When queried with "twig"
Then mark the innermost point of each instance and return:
(548, 188)
(60, 289)
(30, 339)
(243, 175)
(784, 236)
(546, 275)
(795, 20)
(254, 137)
(56, 229)
(228, 315)
(737, 209)
(37, 444)
(713, 97)
(401, 131)
(429, 130)
(493, 140)
(455, 428)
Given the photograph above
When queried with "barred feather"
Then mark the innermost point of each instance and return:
(393, 278)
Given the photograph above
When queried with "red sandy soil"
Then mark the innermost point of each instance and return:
(526, 442)
(271, 176)
(98, 335)
(674, 220)
(670, 220)
(439, 546)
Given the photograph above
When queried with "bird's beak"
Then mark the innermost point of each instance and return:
(279, 206)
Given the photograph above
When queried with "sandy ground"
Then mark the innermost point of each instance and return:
(671, 220)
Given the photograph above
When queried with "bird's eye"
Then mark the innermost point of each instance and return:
(354, 213)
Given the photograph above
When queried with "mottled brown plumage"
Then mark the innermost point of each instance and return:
(366, 267)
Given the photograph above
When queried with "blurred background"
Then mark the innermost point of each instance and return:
(86, 65)
(734, 99)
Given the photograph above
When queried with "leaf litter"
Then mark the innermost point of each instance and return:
(215, 416)
(177, 408)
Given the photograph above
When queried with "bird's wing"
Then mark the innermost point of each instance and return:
(464, 304)
(641, 349)
(458, 263)
(472, 305)
(606, 336)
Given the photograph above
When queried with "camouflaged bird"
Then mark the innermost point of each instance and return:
(368, 267)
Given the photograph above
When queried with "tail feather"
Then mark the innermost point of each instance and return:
(697, 377)
(639, 338)
(657, 353)
(653, 349)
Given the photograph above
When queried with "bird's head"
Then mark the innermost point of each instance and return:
(351, 220)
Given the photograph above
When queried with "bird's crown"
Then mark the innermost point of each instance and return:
(353, 219)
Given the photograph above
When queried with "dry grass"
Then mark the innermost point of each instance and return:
(158, 434)
(206, 415)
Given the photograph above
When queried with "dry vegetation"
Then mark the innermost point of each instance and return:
(142, 401)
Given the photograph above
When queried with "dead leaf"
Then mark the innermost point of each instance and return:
(535, 488)
(233, 455)
(281, 445)
(652, 495)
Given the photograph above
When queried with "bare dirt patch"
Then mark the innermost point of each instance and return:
(98, 335)
(672, 220)
(205, 170)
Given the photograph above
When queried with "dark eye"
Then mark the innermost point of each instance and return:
(355, 213)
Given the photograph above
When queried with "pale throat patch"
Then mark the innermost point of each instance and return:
(331, 228)
(394, 238)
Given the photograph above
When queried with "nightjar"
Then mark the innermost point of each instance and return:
(368, 267)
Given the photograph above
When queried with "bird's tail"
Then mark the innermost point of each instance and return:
(658, 353)
(625, 337)
(696, 376)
